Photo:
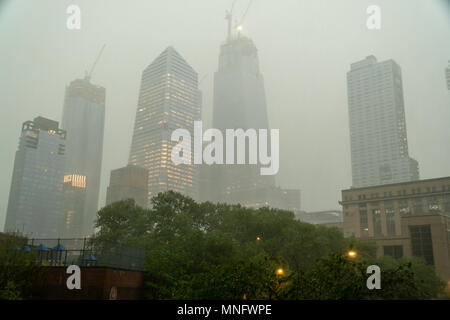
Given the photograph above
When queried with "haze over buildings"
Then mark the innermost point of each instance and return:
(84, 120)
(240, 103)
(447, 75)
(304, 49)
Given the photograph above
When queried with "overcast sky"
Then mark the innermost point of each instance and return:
(305, 49)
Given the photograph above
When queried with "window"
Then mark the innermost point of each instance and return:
(433, 204)
(417, 206)
(393, 251)
(389, 205)
(390, 223)
(376, 217)
(421, 243)
(363, 223)
(446, 204)
(403, 206)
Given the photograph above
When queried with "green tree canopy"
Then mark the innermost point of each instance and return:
(220, 251)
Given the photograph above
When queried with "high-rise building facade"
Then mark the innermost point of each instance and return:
(240, 103)
(378, 140)
(130, 182)
(169, 99)
(34, 206)
(73, 201)
(83, 119)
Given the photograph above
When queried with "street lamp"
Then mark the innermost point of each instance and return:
(258, 238)
(352, 253)
(280, 271)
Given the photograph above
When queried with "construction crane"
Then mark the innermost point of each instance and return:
(89, 74)
(229, 18)
(239, 26)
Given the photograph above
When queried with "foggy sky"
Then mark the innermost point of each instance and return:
(305, 49)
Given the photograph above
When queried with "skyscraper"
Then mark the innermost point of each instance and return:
(83, 119)
(240, 103)
(447, 75)
(378, 141)
(34, 206)
(169, 99)
(130, 182)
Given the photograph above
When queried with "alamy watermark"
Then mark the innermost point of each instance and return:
(258, 146)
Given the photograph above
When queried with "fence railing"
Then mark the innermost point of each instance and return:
(83, 252)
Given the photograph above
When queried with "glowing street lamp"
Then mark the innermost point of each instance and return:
(258, 238)
(280, 271)
(352, 254)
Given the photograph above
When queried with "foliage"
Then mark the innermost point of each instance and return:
(17, 269)
(219, 251)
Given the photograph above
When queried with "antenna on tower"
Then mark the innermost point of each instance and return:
(89, 74)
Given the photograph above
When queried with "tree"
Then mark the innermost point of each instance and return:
(18, 268)
(340, 277)
(220, 251)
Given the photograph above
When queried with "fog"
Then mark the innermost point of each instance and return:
(305, 50)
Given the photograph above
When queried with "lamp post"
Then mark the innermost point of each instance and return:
(354, 254)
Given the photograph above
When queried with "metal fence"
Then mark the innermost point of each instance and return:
(84, 252)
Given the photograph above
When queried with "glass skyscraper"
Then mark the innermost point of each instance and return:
(83, 119)
(34, 206)
(168, 99)
(378, 141)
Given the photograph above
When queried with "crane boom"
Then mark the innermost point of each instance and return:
(246, 11)
(88, 76)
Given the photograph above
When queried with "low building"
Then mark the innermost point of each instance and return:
(97, 283)
(130, 182)
(328, 218)
(268, 196)
(320, 217)
(404, 219)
